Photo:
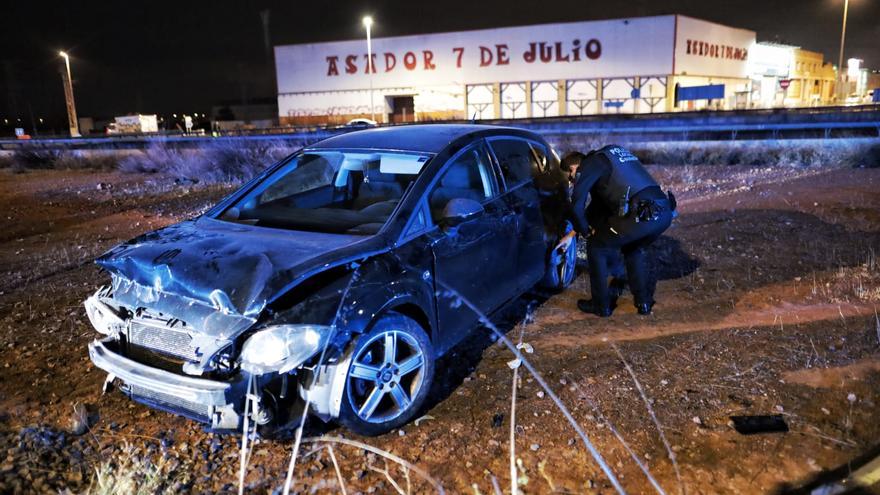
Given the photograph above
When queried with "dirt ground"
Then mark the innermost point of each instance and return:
(768, 291)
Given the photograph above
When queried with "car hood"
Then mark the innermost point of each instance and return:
(231, 268)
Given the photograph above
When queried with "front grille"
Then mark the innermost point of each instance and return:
(171, 403)
(162, 339)
(155, 359)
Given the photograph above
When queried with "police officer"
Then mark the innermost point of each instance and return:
(627, 212)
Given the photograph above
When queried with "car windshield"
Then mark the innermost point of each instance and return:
(332, 191)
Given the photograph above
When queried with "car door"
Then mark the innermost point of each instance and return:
(474, 259)
(518, 168)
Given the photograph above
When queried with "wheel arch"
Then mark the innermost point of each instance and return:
(416, 313)
(409, 307)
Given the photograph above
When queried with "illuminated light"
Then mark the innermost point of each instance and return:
(853, 67)
(63, 54)
(771, 59)
(281, 348)
(174, 115)
(368, 21)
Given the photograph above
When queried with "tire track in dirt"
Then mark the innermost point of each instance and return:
(779, 316)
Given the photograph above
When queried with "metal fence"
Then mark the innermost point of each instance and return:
(820, 122)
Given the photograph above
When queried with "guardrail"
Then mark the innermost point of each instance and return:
(141, 142)
(819, 122)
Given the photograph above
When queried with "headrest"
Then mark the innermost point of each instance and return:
(459, 175)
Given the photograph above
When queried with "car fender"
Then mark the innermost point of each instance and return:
(326, 392)
(366, 303)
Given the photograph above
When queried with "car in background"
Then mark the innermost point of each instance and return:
(361, 123)
(335, 277)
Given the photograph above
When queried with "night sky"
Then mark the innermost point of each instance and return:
(163, 57)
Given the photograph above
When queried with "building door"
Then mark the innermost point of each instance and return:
(403, 109)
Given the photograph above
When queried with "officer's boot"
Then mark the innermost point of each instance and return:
(644, 308)
(600, 304)
(637, 272)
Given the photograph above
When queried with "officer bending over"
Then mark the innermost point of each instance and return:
(628, 212)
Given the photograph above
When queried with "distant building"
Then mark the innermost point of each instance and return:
(789, 76)
(812, 79)
(873, 84)
(639, 65)
(86, 125)
(859, 83)
(259, 113)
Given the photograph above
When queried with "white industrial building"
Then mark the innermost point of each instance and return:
(639, 65)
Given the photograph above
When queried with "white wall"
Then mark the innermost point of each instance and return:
(426, 99)
(704, 48)
(641, 46)
(331, 78)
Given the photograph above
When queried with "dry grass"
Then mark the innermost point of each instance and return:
(235, 160)
(130, 475)
(845, 152)
(224, 161)
(40, 159)
(213, 162)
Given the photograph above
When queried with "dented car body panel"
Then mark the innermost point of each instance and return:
(235, 268)
(188, 304)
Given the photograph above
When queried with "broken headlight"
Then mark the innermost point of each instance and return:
(282, 348)
(103, 317)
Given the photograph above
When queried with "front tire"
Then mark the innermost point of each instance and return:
(389, 378)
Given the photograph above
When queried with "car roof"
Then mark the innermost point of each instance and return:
(427, 138)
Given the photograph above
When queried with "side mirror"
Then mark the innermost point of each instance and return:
(459, 210)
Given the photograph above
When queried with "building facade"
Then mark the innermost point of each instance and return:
(812, 80)
(789, 76)
(640, 65)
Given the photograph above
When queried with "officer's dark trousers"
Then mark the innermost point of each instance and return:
(624, 234)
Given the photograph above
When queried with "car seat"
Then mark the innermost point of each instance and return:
(517, 167)
(461, 180)
(376, 188)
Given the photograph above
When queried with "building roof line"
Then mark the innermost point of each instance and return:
(716, 23)
(777, 44)
(376, 38)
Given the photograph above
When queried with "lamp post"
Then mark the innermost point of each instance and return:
(841, 94)
(68, 97)
(368, 23)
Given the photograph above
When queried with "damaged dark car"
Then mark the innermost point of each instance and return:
(334, 278)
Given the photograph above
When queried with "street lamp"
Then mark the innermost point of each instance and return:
(368, 23)
(841, 94)
(68, 97)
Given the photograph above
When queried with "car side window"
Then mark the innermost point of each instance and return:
(518, 163)
(419, 221)
(468, 176)
(546, 158)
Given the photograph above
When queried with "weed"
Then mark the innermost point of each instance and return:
(129, 475)
(221, 161)
(846, 152)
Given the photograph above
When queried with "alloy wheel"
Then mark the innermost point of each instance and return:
(385, 376)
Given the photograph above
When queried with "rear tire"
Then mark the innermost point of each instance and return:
(561, 266)
(390, 375)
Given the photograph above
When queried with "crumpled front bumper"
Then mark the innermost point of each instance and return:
(208, 401)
